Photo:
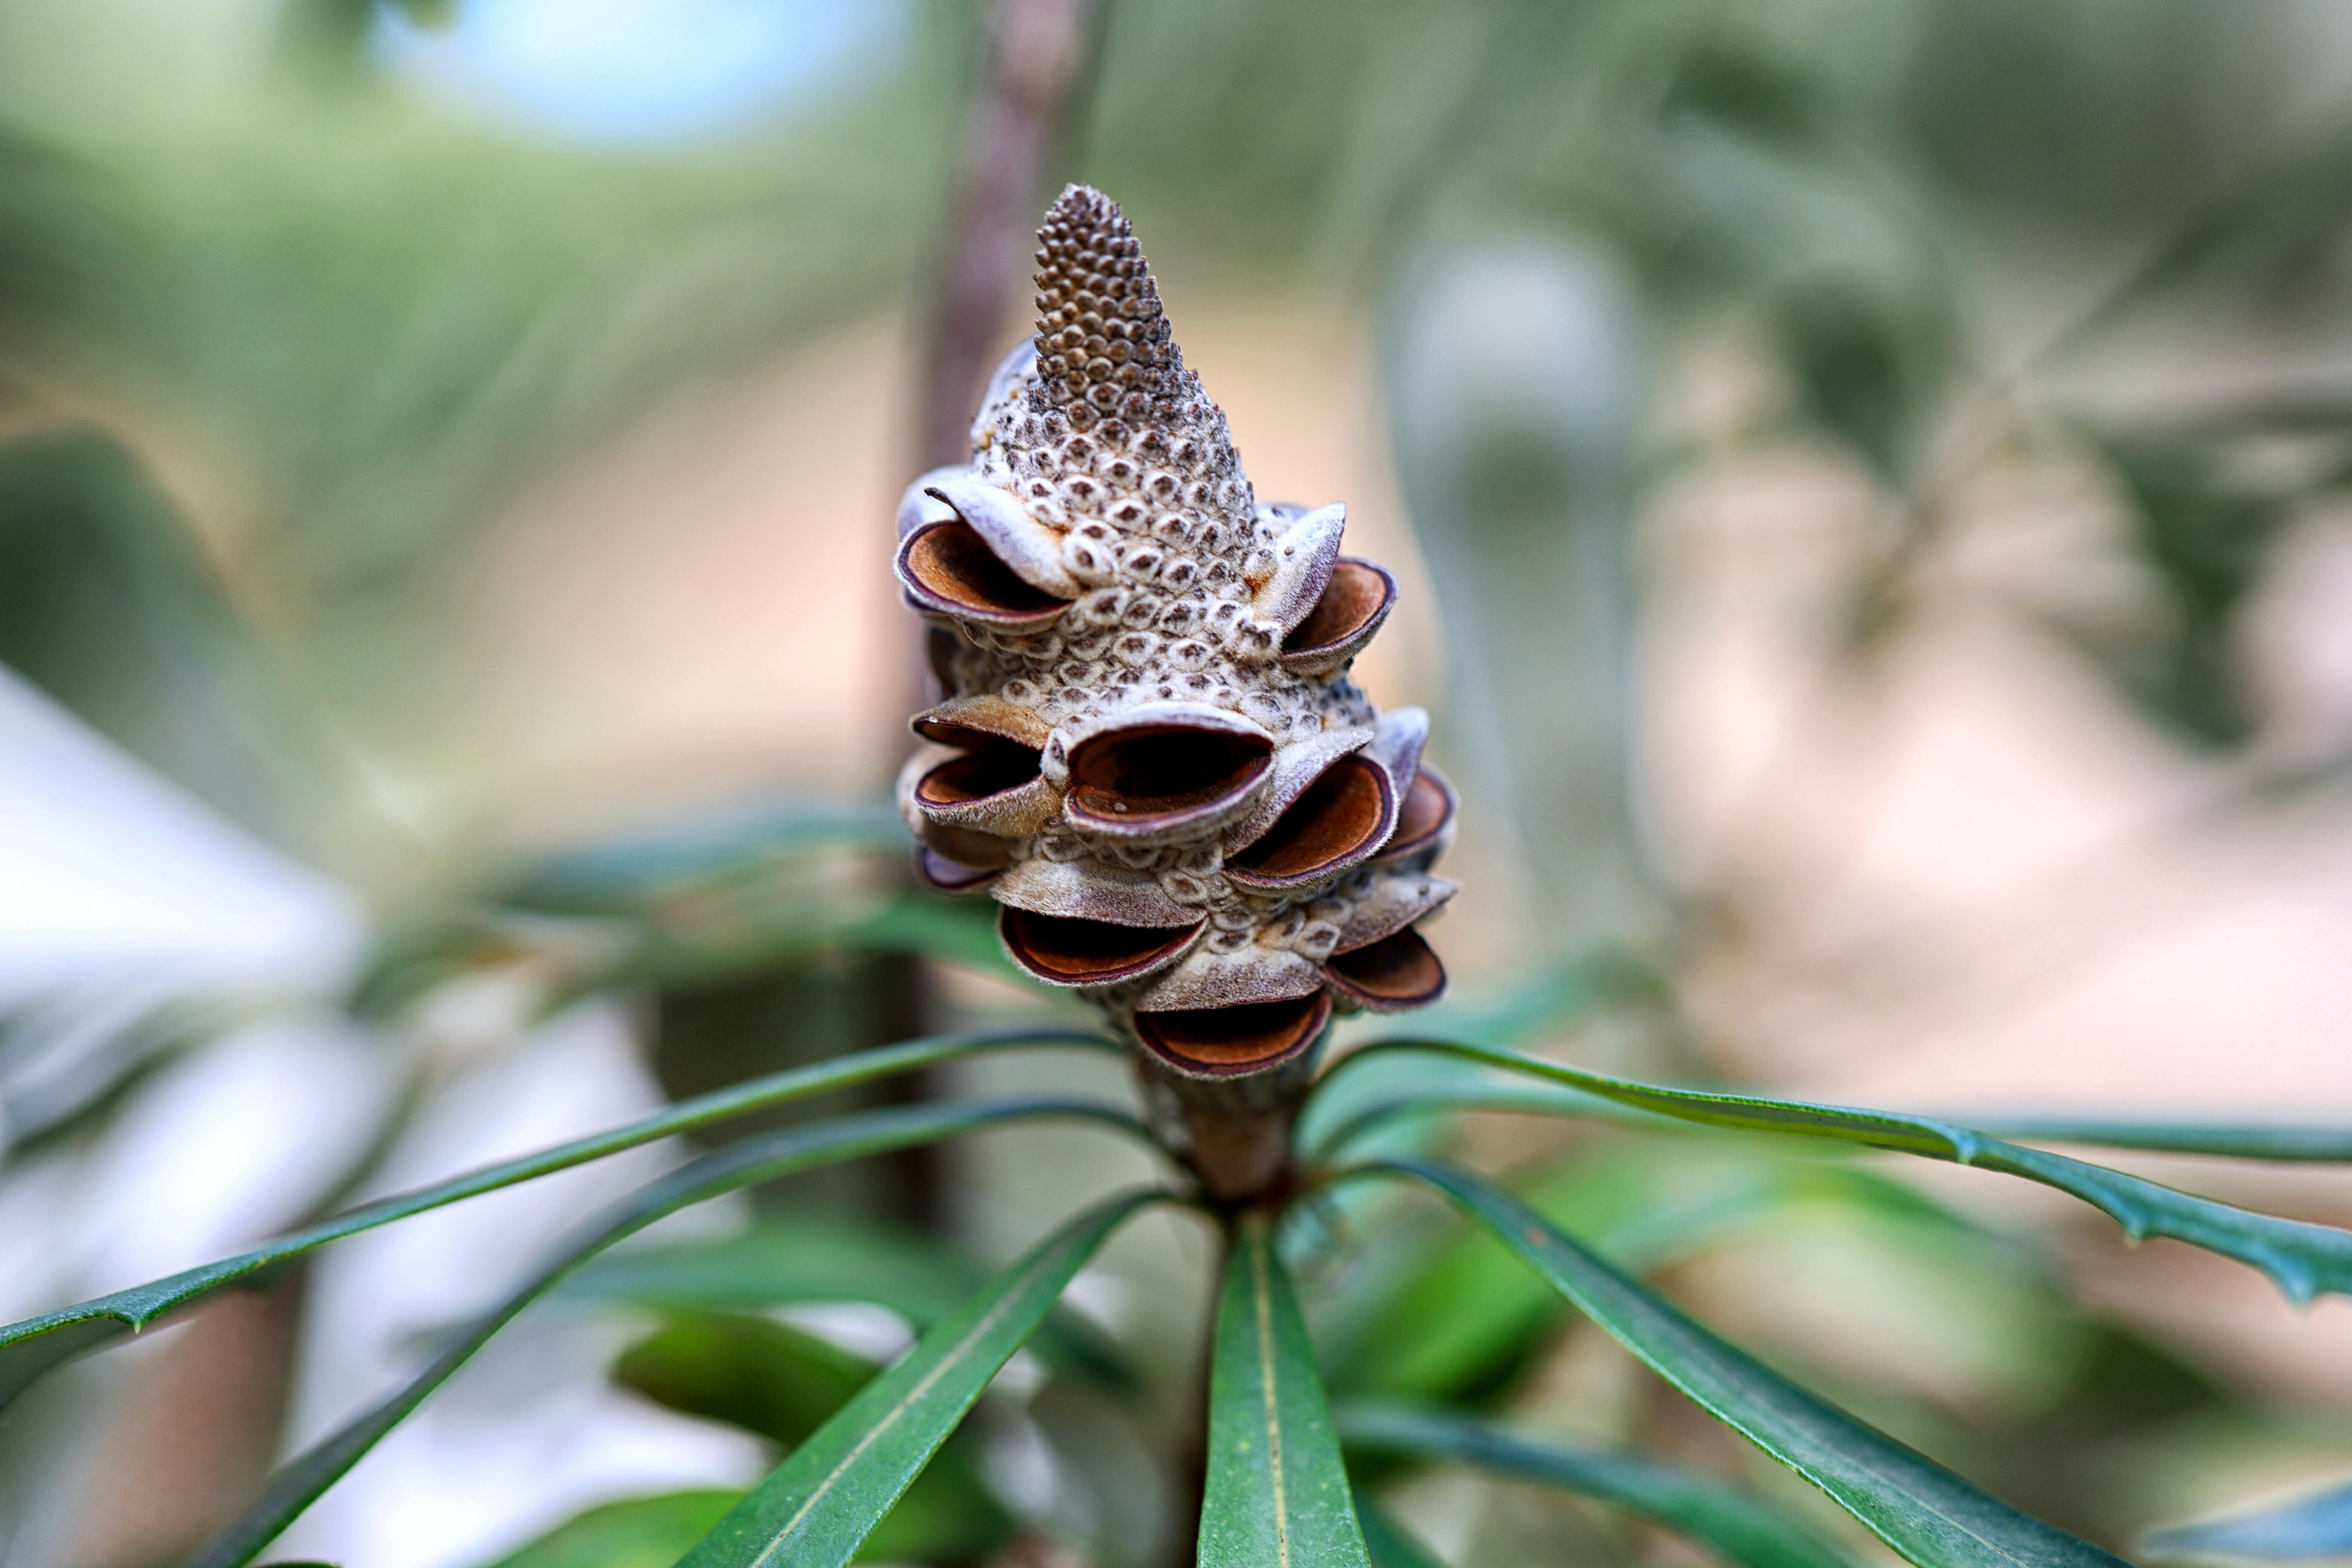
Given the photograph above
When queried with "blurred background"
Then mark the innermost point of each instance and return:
(1870, 483)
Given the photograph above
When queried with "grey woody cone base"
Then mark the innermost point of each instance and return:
(1148, 750)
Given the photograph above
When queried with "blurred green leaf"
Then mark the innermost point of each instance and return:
(401, 316)
(1926, 1512)
(36, 1345)
(70, 1058)
(2310, 1528)
(105, 605)
(2302, 1260)
(700, 904)
(1278, 1491)
(1692, 1503)
(2206, 541)
(1870, 358)
(765, 1377)
(299, 1483)
(637, 1532)
(1463, 1322)
(635, 874)
(817, 1508)
(790, 1257)
(782, 1384)
(1388, 1543)
(46, 198)
(1517, 370)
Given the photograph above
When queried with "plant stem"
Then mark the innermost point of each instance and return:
(1039, 55)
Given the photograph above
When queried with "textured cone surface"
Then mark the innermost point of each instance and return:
(1186, 712)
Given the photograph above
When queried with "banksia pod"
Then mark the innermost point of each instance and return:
(1148, 750)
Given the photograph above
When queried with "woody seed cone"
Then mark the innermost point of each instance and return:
(1148, 751)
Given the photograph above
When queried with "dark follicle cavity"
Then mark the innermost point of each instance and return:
(1160, 772)
(1340, 816)
(1358, 594)
(1428, 806)
(1072, 951)
(1398, 971)
(993, 766)
(1248, 1038)
(953, 563)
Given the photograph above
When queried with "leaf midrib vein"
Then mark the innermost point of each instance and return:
(1264, 1303)
(874, 1434)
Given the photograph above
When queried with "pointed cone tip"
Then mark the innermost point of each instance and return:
(1102, 337)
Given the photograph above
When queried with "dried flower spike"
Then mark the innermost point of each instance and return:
(1148, 750)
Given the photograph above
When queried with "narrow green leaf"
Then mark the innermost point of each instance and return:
(1920, 1509)
(821, 1504)
(1277, 1492)
(1389, 1543)
(2310, 1528)
(770, 1379)
(1703, 1506)
(299, 1483)
(2302, 1259)
(1474, 1094)
(2313, 1145)
(36, 1346)
(1454, 1324)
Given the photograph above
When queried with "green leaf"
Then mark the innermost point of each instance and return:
(823, 1503)
(1471, 1094)
(1453, 1329)
(792, 1259)
(629, 877)
(2206, 536)
(1698, 1505)
(746, 891)
(299, 1484)
(784, 1384)
(1277, 1492)
(2312, 1145)
(2317, 1525)
(636, 1532)
(107, 605)
(36, 1346)
(2302, 1260)
(1915, 1505)
(765, 1377)
(1388, 1543)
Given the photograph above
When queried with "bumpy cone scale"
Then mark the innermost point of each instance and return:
(1148, 751)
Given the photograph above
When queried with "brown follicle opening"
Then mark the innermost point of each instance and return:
(1226, 1041)
(993, 766)
(1162, 773)
(1068, 950)
(1340, 816)
(1357, 594)
(1427, 807)
(954, 564)
(1398, 971)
